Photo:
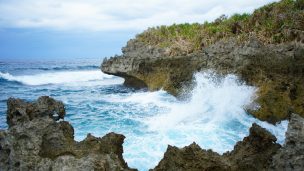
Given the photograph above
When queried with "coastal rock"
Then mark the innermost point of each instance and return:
(291, 155)
(264, 49)
(276, 69)
(253, 153)
(37, 140)
(20, 111)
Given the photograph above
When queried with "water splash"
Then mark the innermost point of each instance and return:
(213, 116)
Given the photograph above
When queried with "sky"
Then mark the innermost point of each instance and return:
(96, 28)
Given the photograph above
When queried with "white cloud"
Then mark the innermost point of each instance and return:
(96, 15)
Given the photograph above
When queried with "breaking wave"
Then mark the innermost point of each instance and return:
(57, 77)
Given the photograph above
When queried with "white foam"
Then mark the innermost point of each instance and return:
(214, 117)
(158, 98)
(213, 101)
(66, 77)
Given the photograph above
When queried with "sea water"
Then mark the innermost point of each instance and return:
(213, 115)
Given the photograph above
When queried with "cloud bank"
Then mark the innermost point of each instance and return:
(103, 15)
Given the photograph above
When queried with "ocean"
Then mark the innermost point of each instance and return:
(213, 115)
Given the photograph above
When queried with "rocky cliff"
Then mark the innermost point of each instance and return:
(277, 70)
(39, 139)
(275, 67)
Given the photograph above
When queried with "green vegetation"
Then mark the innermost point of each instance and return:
(274, 23)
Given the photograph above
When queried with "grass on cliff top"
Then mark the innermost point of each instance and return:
(271, 23)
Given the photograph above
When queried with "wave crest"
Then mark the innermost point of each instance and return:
(57, 77)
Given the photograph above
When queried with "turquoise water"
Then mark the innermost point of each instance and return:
(213, 115)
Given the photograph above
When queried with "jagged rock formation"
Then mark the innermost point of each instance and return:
(37, 140)
(258, 151)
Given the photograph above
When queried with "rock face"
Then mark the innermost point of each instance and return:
(37, 140)
(258, 151)
(277, 70)
(291, 156)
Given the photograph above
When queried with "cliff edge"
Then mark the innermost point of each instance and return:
(265, 49)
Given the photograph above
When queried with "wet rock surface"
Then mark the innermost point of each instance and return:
(276, 69)
(36, 140)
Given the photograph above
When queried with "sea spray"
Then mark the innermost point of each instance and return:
(213, 101)
(213, 116)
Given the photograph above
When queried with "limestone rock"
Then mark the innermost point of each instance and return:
(276, 69)
(36, 140)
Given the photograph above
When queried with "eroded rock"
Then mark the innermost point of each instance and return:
(291, 156)
(35, 141)
(253, 153)
(276, 69)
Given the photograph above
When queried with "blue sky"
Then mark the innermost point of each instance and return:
(26, 43)
(96, 28)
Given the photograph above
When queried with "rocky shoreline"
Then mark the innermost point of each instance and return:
(264, 49)
(39, 139)
(269, 57)
(277, 71)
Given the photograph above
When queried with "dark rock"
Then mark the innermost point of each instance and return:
(20, 111)
(291, 155)
(35, 141)
(253, 153)
(192, 158)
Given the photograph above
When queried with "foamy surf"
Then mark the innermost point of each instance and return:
(214, 117)
(65, 77)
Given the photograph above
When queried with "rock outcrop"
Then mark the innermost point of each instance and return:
(258, 151)
(38, 139)
(277, 70)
